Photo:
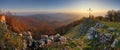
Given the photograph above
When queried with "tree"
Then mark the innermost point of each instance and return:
(113, 15)
(118, 15)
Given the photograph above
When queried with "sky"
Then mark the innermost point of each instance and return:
(59, 5)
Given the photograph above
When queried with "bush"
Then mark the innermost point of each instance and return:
(11, 41)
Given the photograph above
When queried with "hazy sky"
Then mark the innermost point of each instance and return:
(58, 5)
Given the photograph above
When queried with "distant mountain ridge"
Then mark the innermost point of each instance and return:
(52, 18)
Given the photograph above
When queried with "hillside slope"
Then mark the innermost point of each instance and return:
(80, 29)
(78, 36)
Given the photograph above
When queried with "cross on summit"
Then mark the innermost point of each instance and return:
(90, 12)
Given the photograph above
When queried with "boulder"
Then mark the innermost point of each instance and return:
(51, 37)
(111, 29)
(96, 35)
(63, 39)
(24, 44)
(42, 43)
(30, 38)
(49, 41)
(114, 43)
(89, 36)
(96, 25)
(57, 35)
(44, 36)
(99, 25)
(91, 29)
(92, 33)
(25, 34)
(103, 38)
(29, 33)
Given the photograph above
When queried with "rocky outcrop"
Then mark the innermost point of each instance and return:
(46, 40)
(103, 37)
(93, 31)
(85, 25)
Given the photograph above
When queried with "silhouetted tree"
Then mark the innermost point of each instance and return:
(113, 15)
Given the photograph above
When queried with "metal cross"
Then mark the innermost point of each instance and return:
(90, 10)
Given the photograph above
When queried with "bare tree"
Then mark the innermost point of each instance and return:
(111, 14)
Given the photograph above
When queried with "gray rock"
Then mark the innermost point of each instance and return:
(63, 39)
(114, 43)
(44, 36)
(99, 25)
(111, 29)
(89, 36)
